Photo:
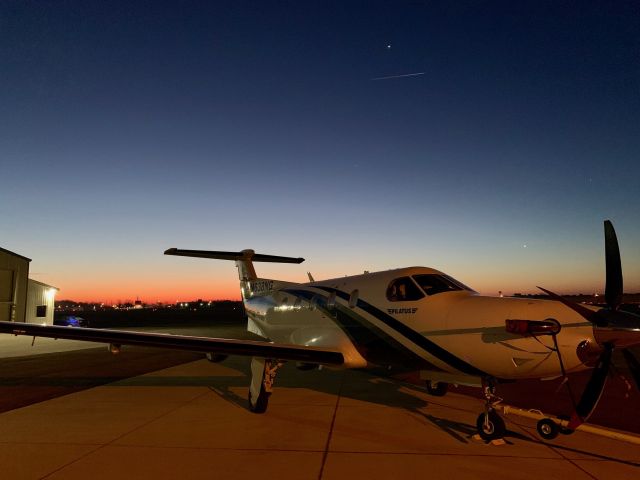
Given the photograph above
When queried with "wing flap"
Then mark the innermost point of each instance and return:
(224, 346)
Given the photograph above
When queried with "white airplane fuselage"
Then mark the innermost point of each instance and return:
(453, 336)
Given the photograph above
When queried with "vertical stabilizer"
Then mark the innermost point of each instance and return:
(246, 272)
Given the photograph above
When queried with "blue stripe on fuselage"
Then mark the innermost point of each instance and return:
(410, 334)
(376, 346)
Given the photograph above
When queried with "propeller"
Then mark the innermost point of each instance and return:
(613, 285)
(612, 328)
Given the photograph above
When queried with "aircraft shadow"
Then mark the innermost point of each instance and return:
(357, 385)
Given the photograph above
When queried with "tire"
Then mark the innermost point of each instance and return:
(547, 429)
(437, 389)
(493, 428)
(215, 357)
(261, 403)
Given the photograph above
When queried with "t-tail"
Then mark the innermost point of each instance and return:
(250, 284)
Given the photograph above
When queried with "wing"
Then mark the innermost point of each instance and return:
(180, 342)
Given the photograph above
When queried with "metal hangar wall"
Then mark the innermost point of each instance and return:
(23, 299)
(14, 274)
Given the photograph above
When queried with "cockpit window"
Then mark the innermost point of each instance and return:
(433, 283)
(403, 290)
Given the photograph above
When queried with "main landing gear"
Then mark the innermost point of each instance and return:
(489, 424)
(215, 357)
(263, 374)
(437, 389)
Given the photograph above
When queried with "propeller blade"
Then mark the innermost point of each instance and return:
(593, 390)
(587, 313)
(634, 366)
(613, 288)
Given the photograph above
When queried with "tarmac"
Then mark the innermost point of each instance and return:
(17, 346)
(191, 422)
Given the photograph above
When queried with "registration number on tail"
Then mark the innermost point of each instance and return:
(261, 286)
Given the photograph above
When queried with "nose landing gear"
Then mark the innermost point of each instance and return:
(490, 425)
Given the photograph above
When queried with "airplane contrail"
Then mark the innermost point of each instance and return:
(399, 76)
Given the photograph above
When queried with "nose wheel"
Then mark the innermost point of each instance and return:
(490, 425)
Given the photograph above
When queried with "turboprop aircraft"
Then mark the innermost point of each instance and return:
(413, 318)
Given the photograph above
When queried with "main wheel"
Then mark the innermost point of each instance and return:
(260, 404)
(490, 426)
(437, 389)
(215, 357)
(547, 428)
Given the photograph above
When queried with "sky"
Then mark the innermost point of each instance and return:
(488, 140)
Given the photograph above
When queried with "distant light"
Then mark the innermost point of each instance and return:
(388, 46)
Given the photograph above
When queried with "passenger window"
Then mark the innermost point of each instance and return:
(403, 290)
(432, 284)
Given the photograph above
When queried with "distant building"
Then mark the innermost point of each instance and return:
(23, 299)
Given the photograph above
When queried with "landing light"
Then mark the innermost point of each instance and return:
(525, 328)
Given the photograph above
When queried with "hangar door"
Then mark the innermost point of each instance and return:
(6, 295)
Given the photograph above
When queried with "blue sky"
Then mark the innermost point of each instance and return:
(130, 127)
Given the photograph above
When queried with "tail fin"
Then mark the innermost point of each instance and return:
(244, 259)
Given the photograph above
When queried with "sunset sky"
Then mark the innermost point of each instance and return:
(508, 132)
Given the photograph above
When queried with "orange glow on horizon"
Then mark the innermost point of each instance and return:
(147, 294)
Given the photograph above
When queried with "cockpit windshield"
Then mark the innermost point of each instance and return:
(436, 283)
(402, 290)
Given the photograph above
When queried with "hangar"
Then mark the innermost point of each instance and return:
(23, 299)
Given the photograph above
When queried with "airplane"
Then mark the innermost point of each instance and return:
(409, 319)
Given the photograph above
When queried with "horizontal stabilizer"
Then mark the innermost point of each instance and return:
(243, 255)
(224, 346)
